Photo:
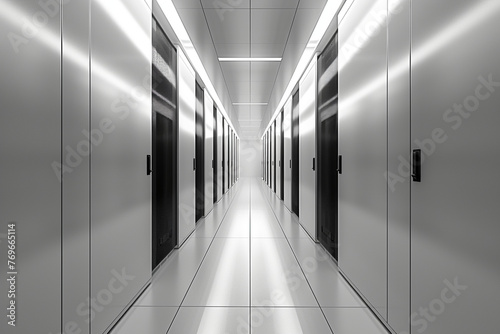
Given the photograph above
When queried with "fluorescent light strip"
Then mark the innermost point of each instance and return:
(327, 16)
(175, 21)
(251, 59)
(250, 104)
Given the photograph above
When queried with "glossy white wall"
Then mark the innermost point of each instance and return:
(186, 112)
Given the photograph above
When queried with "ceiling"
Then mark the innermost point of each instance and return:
(250, 28)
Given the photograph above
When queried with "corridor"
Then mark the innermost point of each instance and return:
(249, 259)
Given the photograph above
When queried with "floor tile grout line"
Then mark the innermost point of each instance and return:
(300, 266)
(203, 259)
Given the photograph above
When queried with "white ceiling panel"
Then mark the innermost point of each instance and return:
(271, 26)
(312, 3)
(232, 28)
(275, 3)
(264, 71)
(236, 71)
(233, 50)
(268, 50)
(261, 91)
(225, 5)
(187, 4)
(303, 25)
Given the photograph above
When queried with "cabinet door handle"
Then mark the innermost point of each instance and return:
(339, 165)
(148, 165)
(314, 164)
(194, 163)
(417, 166)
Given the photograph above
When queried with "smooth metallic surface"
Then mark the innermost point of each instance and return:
(76, 200)
(220, 156)
(287, 130)
(186, 109)
(209, 155)
(279, 161)
(398, 215)
(363, 146)
(307, 151)
(454, 210)
(121, 137)
(30, 191)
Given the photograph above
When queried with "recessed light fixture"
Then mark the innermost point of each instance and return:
(250, 104)
(250, 59)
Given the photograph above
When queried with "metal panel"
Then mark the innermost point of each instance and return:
(273, 155)
(287, 130)
(30, 142)
(209, 157)
(307, 153)
(363, 146)
(398, 215)
(121, 138)
(76, 185)
(454, 210)
(226, 156)
(278, 155)
(220, 156)
(187, 105)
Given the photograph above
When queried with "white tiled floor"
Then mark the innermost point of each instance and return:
(222, 281)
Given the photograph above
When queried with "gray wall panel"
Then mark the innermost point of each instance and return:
(186, 104)
(209, 147)
(287, 125)
(121, 132)
(398, 150)
(307, 143)
(76, 185)
(455, 117)
(363, 145)
(30, 142)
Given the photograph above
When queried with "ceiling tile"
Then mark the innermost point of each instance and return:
(225, 5)
(275, 3)
(312, 3)
(271, 26)
(233, 50)
(236, 72)
(303, 25)
(264, 71)
(268, 50)
(232, 28)
(187, 4)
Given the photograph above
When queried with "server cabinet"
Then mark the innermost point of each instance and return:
(287, 154)
(275, 161)
(30, 167)
(226, 156)
(200, 152)
(187, 126)
(223, 153)
(75, 186)
(279, 158)
(273, 156)
(398, 214)
(295, 153)
(120, 187)
(327, 147)
(210, 145)
(220, 155)
(455, 81)
(363, 146)
(164, 93)
(307, 151)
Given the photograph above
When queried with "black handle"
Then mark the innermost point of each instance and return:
(339, 165)
(148, 165)
(314, 164)
(194, 163)
(417, 166)
(213, 164)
